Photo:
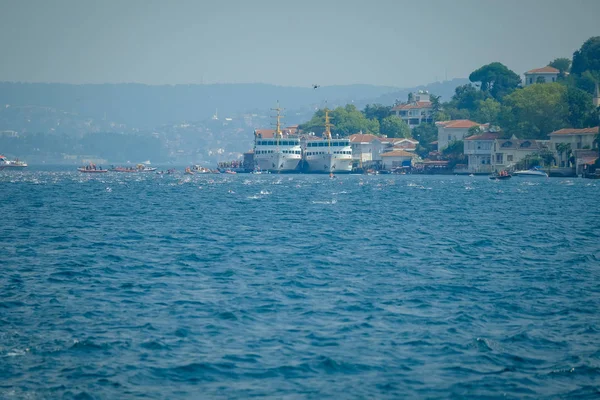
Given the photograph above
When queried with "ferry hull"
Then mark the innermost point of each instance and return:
(329, 164)
(278, 162)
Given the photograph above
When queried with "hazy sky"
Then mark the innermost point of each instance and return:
(298, 43)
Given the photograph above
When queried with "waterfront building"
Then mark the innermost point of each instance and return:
(580, 141)
(541, 75)
(506, 153)
(478, 149)
(458, 129)
(397, 159)
(416, 111)
(366, 147)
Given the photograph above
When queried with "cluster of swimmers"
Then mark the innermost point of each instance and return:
(92, 167)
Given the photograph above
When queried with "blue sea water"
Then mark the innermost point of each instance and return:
(298, 286)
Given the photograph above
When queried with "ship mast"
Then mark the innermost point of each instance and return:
(327, 128)
(278, 133)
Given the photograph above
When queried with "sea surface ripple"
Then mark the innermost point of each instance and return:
(298, 286)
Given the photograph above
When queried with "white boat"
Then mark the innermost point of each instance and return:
(535, 173)
(329, 156)
(200, 169)
(6, 163)
(277, 154)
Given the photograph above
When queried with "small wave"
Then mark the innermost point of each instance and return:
(334, 201)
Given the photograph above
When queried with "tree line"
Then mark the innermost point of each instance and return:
(495, 95)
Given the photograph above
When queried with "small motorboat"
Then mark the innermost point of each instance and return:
(534, 173)
(500, 177)
(92, 170)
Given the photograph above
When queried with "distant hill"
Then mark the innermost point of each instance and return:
(147, 107)
(444, 89)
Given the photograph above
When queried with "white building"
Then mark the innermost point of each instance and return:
(580, 141)
(541, 75)
(417, 111)
(406, 144)
(450, 131)
(478, 148)
(366, 147)
(506, 153)
(396, 159)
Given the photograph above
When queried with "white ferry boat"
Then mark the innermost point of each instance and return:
(330, 156)
(6, 163)
(277, 153)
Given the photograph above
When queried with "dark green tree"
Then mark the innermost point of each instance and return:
(466, 97)
(535, 111)
(393, 126)
(454, 153)
(562, 64)
(496, 79)
(487, 111)
(425, 134)
(582, 113)
(377, 111)
(587, 58)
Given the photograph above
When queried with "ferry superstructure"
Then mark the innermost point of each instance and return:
(330, 156)
(277, 154)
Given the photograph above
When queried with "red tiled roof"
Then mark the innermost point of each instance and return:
(545, 70)
(397, 153)
(411, 106)
(396, 141)
(458, 124)
(484, 136)
(363, 138)
(521, 144)
(570, 131)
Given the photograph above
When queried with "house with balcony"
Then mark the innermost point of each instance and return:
(506, 153)
(478, 149)
(417, 111)
(541, 75)
(575, 142)
(451, 131)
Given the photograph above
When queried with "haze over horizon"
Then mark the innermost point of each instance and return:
(388, 43)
